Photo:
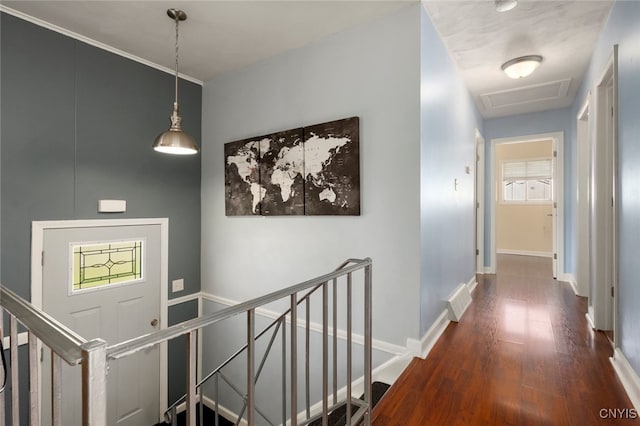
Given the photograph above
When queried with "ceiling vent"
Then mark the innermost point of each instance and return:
(526, 95)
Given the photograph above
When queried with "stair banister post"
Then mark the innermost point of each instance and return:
(191, 377)
(325, 356)
(94, 383)
(294, 360)
(367, 342)
(251, 384)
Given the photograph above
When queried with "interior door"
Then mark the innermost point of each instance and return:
(105, 282)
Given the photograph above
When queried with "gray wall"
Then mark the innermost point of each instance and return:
(77, 126)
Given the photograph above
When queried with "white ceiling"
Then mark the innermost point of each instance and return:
(480, 40)
(221, 36)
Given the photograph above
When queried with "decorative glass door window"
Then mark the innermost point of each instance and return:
(527, 181)
(96, 265)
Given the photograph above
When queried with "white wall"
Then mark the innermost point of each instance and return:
(373, 72)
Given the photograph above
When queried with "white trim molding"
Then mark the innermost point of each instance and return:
(37, 247)
(472, 284)
(422, 347)
(41, 23)
(558, 188)
(571, 279)
(627, 376)
(358, 339)
(525, 253)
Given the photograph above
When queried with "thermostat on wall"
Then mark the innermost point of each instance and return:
(112, 206)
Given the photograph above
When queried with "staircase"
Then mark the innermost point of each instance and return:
(329, 300)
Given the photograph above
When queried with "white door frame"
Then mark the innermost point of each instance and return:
(38, 229)
(604, 232)
(479, 202)
(558, 195)
(582, 285)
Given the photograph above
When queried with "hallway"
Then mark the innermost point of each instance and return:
(522, 354)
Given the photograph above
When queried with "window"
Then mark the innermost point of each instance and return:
(102, 264)
(527, 181)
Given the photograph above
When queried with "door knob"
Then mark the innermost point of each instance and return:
(154, 322)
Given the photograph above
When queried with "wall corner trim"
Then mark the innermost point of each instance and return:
(422, 347)
(627, 376)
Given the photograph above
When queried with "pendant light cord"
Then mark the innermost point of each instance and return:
(176, 93)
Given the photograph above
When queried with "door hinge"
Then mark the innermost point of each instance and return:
(477, 158)
(555, 154)
(42, 259)
(612, 292)
(555, 205)
(478, 205)
(555, 256)
(477, 252)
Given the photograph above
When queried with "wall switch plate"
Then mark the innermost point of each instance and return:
(177, 285)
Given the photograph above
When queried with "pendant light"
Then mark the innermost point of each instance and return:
(174, 140)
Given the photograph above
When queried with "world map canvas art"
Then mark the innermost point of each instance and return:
(313, 170)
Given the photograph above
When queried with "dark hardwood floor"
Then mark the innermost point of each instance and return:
(522, 354)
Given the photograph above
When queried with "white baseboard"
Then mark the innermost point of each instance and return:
(525, 253)
(590, 321)
(569, 278)
(628, 376)
(472, 284)
(379, 345)
(422, 347)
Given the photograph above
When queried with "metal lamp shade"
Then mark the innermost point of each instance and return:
(176, 142)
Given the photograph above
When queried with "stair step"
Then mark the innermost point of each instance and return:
(338, 416)
(209, 418)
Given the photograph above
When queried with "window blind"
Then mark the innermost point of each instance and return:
(524, 170)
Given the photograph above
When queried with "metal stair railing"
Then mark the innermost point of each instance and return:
(93, 356)
(357, 409)
(65, 345)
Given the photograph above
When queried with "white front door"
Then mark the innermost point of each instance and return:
(105, 282)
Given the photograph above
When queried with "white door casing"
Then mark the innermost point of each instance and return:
(479, 202)
(558, 197)
(155, 232)
(583, 255)
(603, 238)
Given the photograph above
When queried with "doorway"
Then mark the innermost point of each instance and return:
(539, 194)
(106, 279)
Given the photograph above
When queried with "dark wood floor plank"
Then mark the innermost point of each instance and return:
(523, 354)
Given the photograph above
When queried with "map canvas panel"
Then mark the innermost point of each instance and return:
(281, 174)
(243, 192)
(332, 168)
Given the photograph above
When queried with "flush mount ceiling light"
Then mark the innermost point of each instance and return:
(174, 140)
(504, 5)
(522, 66)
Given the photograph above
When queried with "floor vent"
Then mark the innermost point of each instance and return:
(458, 302)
